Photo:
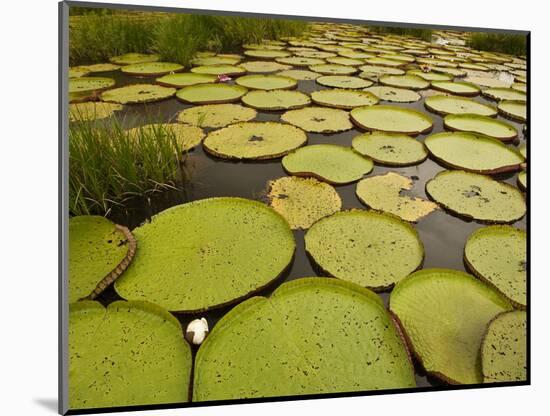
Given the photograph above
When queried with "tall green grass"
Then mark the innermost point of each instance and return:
(424, 34)
(108, 166)
(499, 42)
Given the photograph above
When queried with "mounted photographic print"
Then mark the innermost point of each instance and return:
(267, 208)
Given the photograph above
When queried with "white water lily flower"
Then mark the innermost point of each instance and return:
(196, 331)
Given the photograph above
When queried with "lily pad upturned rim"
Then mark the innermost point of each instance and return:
(380, 107)
(493, 94)
(134, 69)
(407, 96)
(249, 81)
(449, 118)
(510, 114)
(139, 58)
(232, 70)
(316, 97)
(166, 93)
(429, 103)
(355, 143)
(304, 98)
(442, 86)
(332, 81)
(388, 80)
(239, 92)
(201, 79)
(237, 112)
(289, 117)
(108, 83)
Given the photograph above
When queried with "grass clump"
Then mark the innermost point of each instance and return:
(499, 42)
(109, 167)
(424, 34)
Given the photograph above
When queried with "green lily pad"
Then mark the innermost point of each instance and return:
(315, 54)
(185, 79)
(519, 87)
(216, 60)
(105, 67)
(300, 61)
(431, 75)
(481, 124)
(333, 69)
(211, 93)
(392, 119)
(466, 89)
(265, 53)
(500, 94)
(92, 111)
(516, 110)
(99, 252)
(216, 115)
(343, 81)
(134, 58)
(264, 66)
(522, 180)
(266, 82)
(77, 72)
(392, 149)
(342, 60)
(473, 67)
(151, 69)
(300, 74)
(187, 137)
(523, 150)
(254, 140)
(444, 314)
(137, 93)
(383, 193)
(396, 95)
(229, 70)
(207, 253)
(369, 248)
(451, 71)
(412, 82)
(477, 196)
(302, 201)
(128, 354)
(345, 99)
(276, 100)
(319, 119)
(328, 162)
(376, 71)
(498, 255)
(392, 63)
(473, 152)
(89, 84)
(443, 104)
(488, 82)
(329, 336)
(504, 348)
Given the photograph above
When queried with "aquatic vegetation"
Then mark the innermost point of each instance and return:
(424, 34)
(345, 99)
(265, 54)
(412, 82)
(266, 82)
(516, 110)
(474, 123)
(487, 82)
(500, 94)
(89, 111)
(88, 84)
(333, 69)
(343, 81)
(522, 180)
(151, 69)
(211, 93)
(264, 67)
(137, 93)
(392, 149)
(444, 104)
(466, 89)
(319, 119)
(276, 100)
(392, 119)
(498, 42)
(186, 137)
(395, 95)
(184, 79)
(133, 58)
(300, 74)
(216, 115)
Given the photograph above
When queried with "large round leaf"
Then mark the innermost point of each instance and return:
(313, 335)
(265, 53)
(333, 69)
(186, 137)
(372, 249)
(92, 111)
(499, 94)
(300, 61)
(390, 148)
(137, 93)
(266, 82)
(89, 84)
(457, 87)
(343, 81)
(395, 95)
(216, 115)
(319, 119)
(481, 124)
(264, 66)
(412, 82)
(207, 253)
(300, 74)
(276, 100)
(230, 70)
(444, 314)
(133, 58)
(211, 93)
(151, 69)
(392, 119)
(346, 99)
(185, 79)
(443, 104)
(516, 110)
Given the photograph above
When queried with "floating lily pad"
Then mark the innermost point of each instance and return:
(396, 95)
(369, 248)
(516, 110)
(276, 100)
(383, 193)
(99, 252)
(333, 69)
(216, 115)
(452, 71)
(216, 60)
(266, 82)
(481, 124)
(477, 196)
(187, 137)
(523, 150)
(134, 58)
(89, 84)
(254, 140)
(300, 74)
(376, 71)
(265, 53)
(137, 93)
(412, 82)
(303, 201)
(343, 81)
(329, 336)
(498, 255)
(106, 67)
(392, 149)
(431, 75)
(185, 79)
(392, 63)
(472, 66)
(151, 69)
(211, 93)
(499, 94)
(466, 89)
(519, 87)
(488, 82)
(263, 66)
(328, 162)
(444, 314)
(342, 60)
(345, 99)
(315, 54)
(300, 61)
(504, 348)
(207, 253)
(443, 104)
(319, 119)
(229, 70)
(522, 180)
(473, 152)
(77, 72)
(128, 354)
(392, 119)
(92, 111)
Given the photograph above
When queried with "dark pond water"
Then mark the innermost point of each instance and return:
(443, 234)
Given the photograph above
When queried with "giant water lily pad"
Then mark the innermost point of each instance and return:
(383, 193)
(99, 252)
(499, 94)
(303, 201)
(216, 60)
(105, 67)
(230, 70)
(207, 253)
(254, 140)
(328, 162)
(88, 84)
(369, 71)
(128, 354)
(504, 348)
(276, 100)
(333, 69)
(78, 71)
(477, 196)
(266, 82)
(412, 82)
(319, 119)
(151, 69)
(473, 152)
(345, 99)
(311, 336)
(92, 111)
(392, 149)
(264, 66)
(443, 104)
(431, 76)
(481, 124)
(300, 74)
(137, 93)
(134, 58)
(522, 180)
(396, 95)
(343, 81)
(498, 255)
(266, 53)
(185, 79)
(369, 248)
(211, 93)
(444, 314)
(466, 89)
(392, 119)
(516, 110)
(341, 60)
(216, 115)
(300, 61)
(187, 137)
